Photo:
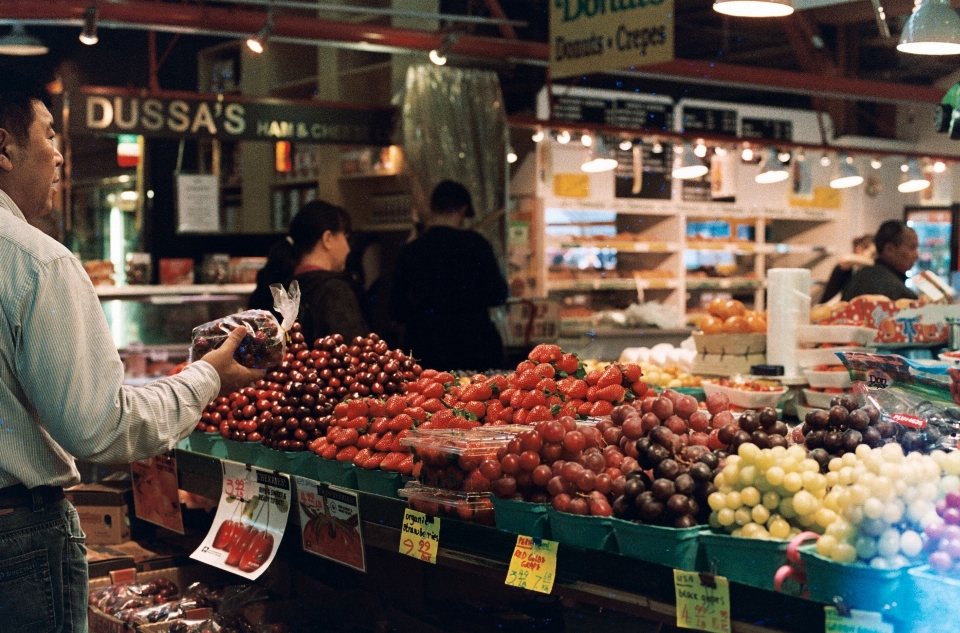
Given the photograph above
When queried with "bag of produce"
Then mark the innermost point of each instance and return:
(265, 343)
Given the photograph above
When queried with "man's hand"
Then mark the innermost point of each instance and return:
(233, 375)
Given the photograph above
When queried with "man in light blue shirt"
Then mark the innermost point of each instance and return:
(61, 383)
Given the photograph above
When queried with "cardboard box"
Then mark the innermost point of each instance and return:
(923, 325)
(104, 511)
(731, 344)
(726, 364)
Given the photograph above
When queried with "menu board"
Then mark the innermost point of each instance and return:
(628, 113)
(770, 129)
(709, 120)
(643, 173)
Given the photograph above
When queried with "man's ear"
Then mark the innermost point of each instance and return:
(6, 140)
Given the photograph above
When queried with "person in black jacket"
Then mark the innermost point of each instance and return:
(896, 254)
(444, 284)
(314, 253)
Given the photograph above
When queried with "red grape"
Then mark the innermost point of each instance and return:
(662, 408)
(574, 441)
(510, 464)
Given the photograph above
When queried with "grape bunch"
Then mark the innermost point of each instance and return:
(760, 428)
(262, 346)
(842, 428)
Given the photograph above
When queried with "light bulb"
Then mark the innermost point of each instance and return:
(700, 150)
(587, 140)
(563, 137)
(537, 136)
(626, 144)
(746, 154)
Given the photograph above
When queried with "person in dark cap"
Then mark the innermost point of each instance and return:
(445, 282)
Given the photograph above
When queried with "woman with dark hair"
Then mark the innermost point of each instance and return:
(314, 253)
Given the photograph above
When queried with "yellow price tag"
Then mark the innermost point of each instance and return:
(703, 601)
(533, 565)
(420, 536)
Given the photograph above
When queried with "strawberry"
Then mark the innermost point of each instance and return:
(611, 393)
(539, 413)
(525, 366)
(383, 444)
(506, 395)
(367, 440)
(546, 370)
(357, 408)
(631, 372)
(572, 388)
(553, 399)
(456, 392)
(493, 411)
(441, 419)
(533, 399)
(567, 408)
(547, 385)
(330, 451)
(611, 376)
(601, 407)
(374, 460)
(585, 408)
(463, 423)
(397, 447)
(376, 408)
(361, 457)
(433, 405)
(593, 377)
(639, 389)
(341, 410)
(476, 393)
(527, 380)
(592, 393)
(506, 416)
(429, 373)
(347, 453)
(416, 399)
(517, 400)
(405, 467)
(417, 413)
(451, 399)
(395, 405)
(400, 422)
(445, 377)
(432, 390)
(520, 416)
(568, 363)
(476, 408)
(391, 462)
(498, 383)
(476, 482)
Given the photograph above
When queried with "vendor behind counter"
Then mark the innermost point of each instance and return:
(896, 254)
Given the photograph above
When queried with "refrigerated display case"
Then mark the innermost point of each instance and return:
(936, 229)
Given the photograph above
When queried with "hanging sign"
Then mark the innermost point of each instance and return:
(420, 536)
(703, 601)
(533, 565)
(108, 110)
(330, 523)
(156, 493)
(249, 523)
(591, 36)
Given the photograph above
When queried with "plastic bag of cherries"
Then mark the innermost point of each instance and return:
(264, 345)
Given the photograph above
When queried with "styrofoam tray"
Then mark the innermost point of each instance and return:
(836, 334)
(828, 356)
(826, 379)
(818, 399)
(746, 399)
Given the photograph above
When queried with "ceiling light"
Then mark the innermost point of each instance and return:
(657, 148)
(913, 179)
(258, 41)
(753, 8)
(824, 161)
(784, 157)
(876, 163)
(939, 167)
(17, 42)
(689, 165)
(586, 140)
(511, 155)
(563, 137)
(90, 18)
(771, 169)
(700, 150)
(720, 151)
(626, 144)
(845, 175)
(537, 136)
(747, 155)
(599, 158)
(439, 55)
(932, 29)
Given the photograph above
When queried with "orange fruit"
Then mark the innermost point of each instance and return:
(757, 323)
(718, 307)
(732, 307)
(711, 325)
(736, 325)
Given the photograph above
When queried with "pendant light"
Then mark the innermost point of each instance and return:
(90, 18)
(771, 169)
(17, 42)
(690, 166)
(754, 8)
(913, 179)
(845, 175)
(599, 158)
(257, 43)
(932, 29)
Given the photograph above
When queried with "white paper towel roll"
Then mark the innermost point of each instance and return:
(788, 297)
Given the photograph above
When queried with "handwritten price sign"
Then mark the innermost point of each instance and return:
(420, 536)
(533, 565)
(703, 601)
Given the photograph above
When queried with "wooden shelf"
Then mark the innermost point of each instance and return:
(297, 182)
(725, 283)
(612, 284)
(202, 290)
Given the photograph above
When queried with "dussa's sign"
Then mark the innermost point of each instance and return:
(122, 111)
(589, 36)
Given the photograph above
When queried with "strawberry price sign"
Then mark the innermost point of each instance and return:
(156, 497)
(249, 523)
(533, 565)
(420, 536)
(703, 601)
(330, 523)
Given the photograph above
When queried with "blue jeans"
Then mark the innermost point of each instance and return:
(43, 570)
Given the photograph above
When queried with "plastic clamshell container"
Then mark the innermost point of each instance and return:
(853, 334)
(469, 506)
(933, 602)
(824, 356)
(336, 473)
(746, 399)
(451, 444)
(818, 399)
(522, 517)
(828, 379)
(587, 532)
(672, 547)
(748, 561)
(379, 482)
(858, 586)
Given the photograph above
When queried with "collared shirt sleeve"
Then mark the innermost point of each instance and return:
(71, 373)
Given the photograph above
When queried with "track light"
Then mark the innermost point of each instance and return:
(754, 8)
(845, 174)
(939, 167)
(876, 163)
(747, 154)
(932, 29)
(586, 140)
(824, 161)
(258, 41)
(913, 179)
(599, 158)
(657, 148)
(537, 136)
(700, 150)
(784, 157)
(689, 165)
(90, 18)
(771, 170)
(511, 155)
(439, 55)
(563, 137)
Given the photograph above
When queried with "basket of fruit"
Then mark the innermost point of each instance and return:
(468, 506)
(522, 517)
(669, 546)
(856, 585)
(748, 394)
(581, 529)
(749, 561)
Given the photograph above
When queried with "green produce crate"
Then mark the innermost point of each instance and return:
(748, 561)
(588, 532)
(243, 452)
(673, 547)
(522, 517)
(858, 586)
(696, 392)
(336, 473)
(270, 459)
(379, 482)
(301, 463)
(933, 603)
(211, 444)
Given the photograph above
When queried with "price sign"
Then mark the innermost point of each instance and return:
(703, 601)
(533, 565)
(420, 536)
(156, 495)
(330, 523)
(855, 622)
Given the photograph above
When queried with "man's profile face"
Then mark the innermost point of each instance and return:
(35, 172)
(903, 256)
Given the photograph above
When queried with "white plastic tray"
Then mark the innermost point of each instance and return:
(828, 356)
(836, 334)
(746, 399)
(818, 399)
(825, 379)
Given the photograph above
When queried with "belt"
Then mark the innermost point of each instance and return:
(19, 496)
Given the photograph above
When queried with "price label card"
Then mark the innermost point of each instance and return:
(533, 565)
(856, 622)
(420, 536)
(156, 493)
(249, 523)
(330, 523)
(703, 601)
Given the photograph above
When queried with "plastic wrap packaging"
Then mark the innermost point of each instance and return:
(195, 626)
(264, 345)
(121, 597)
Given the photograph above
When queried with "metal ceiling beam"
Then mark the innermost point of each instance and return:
(183, 18)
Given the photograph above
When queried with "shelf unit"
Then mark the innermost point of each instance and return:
(107, 293)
